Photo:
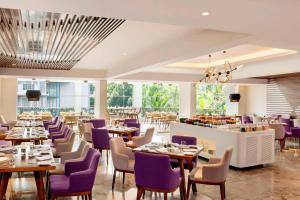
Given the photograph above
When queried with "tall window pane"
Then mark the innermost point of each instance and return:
(211, 99)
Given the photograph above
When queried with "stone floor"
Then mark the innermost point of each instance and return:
(279, 181)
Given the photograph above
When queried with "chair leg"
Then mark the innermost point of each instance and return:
(47, 180)
(188, 189)
(165, 196)
(222, 190)
(90, 196)
(181, 191)
(139, 193)
(123, 177)
(114, 178)
(106, 157)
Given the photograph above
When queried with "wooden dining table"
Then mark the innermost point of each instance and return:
(18, 135)
(23, 161)
(122, 130)
(183, 153)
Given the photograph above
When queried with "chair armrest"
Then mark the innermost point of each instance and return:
(213, 173)
(120, 161)
(74, 166)
(62, 147)
(65, 156)
(60, 140)
(214, 160)
(56, 136)
(129, 153)
(84, 179)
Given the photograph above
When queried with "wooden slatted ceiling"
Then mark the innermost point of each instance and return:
(42, 40)
(276, 100)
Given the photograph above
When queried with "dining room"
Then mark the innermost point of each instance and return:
(153, 100)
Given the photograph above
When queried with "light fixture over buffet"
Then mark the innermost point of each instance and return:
(217, 75)
(43, 40)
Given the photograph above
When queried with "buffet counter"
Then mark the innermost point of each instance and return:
(249, 148)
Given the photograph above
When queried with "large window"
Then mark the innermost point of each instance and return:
(119, 94)
(211, 99)
(160, 97)
(57, 96)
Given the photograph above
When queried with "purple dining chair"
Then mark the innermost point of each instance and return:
(98, 123)
(56, 128)
(288, 124)
(63, 134)
(247, 119)
(295, 133)
(135, 133)
(52, 122)
(149, 177)
(100, 138)
(78, 179)
(179, 139)
(130, 121)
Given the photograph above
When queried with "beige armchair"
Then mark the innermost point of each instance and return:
(87, 134)
(122, 156)
(279, 134)
(10, 124)
(79, 154)
(213, 173)
(138, 141)
(64, 144)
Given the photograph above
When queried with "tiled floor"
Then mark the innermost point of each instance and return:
(279, 181)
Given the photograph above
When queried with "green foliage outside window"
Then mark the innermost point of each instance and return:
(160, 97)
(119, 95)
(211, 99)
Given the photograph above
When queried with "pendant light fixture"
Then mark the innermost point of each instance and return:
(212, 75)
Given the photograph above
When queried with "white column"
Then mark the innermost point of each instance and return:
(187, 99)
(8, 98)
(100, 98)
(137, 95)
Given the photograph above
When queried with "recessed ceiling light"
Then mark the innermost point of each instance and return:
(205, 13)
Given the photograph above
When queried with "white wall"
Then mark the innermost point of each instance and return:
(8, 98)
(256, 99)
(253, 100)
